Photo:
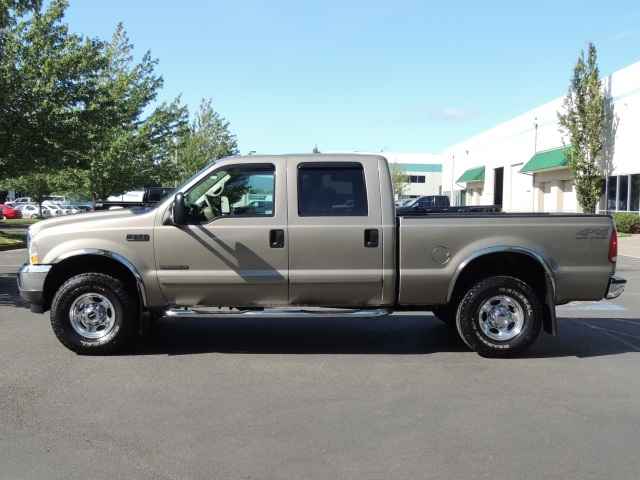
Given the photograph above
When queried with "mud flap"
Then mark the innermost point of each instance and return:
(549, 320)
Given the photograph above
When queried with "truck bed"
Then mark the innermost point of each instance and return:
(434, 249)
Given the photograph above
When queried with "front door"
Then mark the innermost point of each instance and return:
(233, 251)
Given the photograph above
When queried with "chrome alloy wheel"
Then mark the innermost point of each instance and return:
(501, 318)
(92, 315)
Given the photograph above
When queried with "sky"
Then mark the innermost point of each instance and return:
(365, 75)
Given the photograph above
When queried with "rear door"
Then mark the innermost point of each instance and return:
(335, 234)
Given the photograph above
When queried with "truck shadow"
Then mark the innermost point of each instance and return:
(391, 335)
(400, 334)
(9, 295)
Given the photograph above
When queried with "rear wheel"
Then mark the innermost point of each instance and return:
(94, 314)
(499, 317)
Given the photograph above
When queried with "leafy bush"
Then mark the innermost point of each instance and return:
(627, 222)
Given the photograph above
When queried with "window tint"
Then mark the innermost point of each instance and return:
(246, 190)
(331, 189)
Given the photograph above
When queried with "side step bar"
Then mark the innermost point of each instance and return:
(281, 313)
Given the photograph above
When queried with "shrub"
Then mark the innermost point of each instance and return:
(627, 222)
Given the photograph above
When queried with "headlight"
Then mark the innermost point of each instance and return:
(32, 247)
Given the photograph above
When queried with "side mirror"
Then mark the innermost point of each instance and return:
(180, 210)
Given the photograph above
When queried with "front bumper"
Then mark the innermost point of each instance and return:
(31, 280)
(616, 287)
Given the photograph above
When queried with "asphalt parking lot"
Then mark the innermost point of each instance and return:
(395, 397)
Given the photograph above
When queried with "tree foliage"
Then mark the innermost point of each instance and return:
(208, 139)
(582, 125)
(83, 112)
(399, 178)
(46, 78)
(124, 147)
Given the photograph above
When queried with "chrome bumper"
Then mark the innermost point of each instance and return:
(616, 287)
(31, 280)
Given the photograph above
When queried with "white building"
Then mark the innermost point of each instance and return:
(520, 163)
(423, 169)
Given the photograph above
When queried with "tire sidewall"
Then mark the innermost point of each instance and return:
(467, 318)
(103, 285)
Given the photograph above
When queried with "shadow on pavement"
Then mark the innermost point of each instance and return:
(393, 335)
(9, 295)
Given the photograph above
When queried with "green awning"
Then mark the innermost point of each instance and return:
(546, 160)
(472, 175)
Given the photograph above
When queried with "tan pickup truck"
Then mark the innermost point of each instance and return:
(312, 235)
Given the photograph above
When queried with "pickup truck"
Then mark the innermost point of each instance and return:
(147, 197)
(441, 204)
(328, 244)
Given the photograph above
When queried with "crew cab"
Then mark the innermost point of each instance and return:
(325, 236)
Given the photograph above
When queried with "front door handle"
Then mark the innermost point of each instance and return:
(276, 238)
(371, 238)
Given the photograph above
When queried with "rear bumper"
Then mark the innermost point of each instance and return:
(31, 280)
(616, 287)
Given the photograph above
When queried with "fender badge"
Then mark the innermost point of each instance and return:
(136, 237)
(593, 234)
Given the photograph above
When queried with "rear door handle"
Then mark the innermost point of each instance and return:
(371, 238)
(276, 238)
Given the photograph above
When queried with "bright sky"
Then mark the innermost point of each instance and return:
(366, 75)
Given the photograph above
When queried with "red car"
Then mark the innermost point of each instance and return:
(10, 212)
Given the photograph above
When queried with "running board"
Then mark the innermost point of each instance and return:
(282, 313)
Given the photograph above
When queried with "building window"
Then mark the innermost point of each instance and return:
(623, 193)
(417, 179)
(635, 192)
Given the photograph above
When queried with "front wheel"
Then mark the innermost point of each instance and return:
(93, 314)
(499, 317)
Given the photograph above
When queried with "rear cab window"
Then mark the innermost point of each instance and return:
(331, 189)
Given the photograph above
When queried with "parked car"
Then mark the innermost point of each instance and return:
(10, 212)
(24, 200)
(70, 209)
(29, 211)
(64, 209)
(51, 211)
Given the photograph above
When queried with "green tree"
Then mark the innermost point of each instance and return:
(46, 82)
(37, 184)
(208, 139)
(315, 149)
(399, 178)
(10, 10)
(582, 125)
(125, 150)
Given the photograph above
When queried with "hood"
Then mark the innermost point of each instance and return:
(93, 220)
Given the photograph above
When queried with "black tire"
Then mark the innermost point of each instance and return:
(445, 314)
(499, 317)
(94, 314)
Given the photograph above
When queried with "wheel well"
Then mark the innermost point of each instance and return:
(72, 266)
(513, 264)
